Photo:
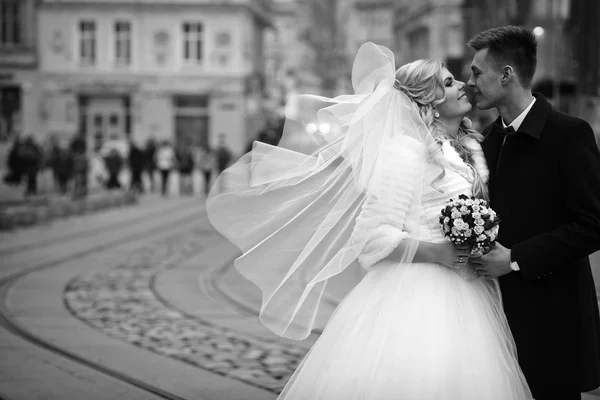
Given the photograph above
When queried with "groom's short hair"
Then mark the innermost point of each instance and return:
(514, 45)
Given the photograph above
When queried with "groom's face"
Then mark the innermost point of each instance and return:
(485, 80)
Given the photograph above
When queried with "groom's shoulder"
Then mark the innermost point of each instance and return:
(545, 121)
(566, 123)
(565, 131)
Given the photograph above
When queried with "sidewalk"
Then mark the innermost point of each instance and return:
(44, 209)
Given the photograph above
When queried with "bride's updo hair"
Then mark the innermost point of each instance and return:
(422, 82)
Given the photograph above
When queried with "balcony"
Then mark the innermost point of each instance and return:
(22, 57)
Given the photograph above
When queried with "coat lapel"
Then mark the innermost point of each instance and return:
(533, 125)
(491, 145)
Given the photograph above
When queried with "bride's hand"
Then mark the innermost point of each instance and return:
(453, 256)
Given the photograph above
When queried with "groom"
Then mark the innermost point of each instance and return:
(545, 186)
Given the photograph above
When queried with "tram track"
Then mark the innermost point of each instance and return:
(11, 325)
(213, 284)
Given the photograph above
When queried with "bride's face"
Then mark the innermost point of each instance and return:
(456, 103)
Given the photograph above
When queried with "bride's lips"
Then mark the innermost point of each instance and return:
(461, 96)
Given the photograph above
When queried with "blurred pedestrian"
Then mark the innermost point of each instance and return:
(165, 161)
(13, 163)
(98, 169)
(268, 135)
(206, 161)
(150, 161)
(48, 149)
(136, 163)
(115, 142)
(61, 163)
(271, 137)
(223, 158)
(114, 164)
(80, 167)
(223, 154)
(185, 165)
(30, 158)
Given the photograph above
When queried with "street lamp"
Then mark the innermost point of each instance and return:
(324, 128)
(538, 31)
(311, 128)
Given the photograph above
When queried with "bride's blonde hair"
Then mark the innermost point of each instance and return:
(421, 81)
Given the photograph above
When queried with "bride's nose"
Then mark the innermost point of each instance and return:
(461, 85)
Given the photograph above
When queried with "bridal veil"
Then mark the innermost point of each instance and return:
(292, 209)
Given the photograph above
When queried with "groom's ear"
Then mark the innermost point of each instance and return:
(507, 73)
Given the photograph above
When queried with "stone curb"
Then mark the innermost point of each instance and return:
(12, 217)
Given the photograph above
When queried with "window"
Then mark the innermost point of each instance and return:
(192, 43)
(122, 43)
(11, 23)
(192, 119)
(191, 102)
(87, 42)
(222, 51)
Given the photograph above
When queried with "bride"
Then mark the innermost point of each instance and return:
(368, 191)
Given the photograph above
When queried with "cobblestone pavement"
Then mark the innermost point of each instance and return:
(123, 303)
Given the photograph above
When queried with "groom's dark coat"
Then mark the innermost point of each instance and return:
(546, 189)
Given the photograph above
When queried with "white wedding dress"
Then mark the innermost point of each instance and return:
(413, 331)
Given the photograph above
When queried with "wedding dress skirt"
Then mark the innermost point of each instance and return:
(413, 332)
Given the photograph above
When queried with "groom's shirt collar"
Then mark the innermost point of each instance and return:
(516, 124)
(534, 118)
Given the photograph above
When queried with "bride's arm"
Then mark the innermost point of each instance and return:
(394, 190)
(438, 253)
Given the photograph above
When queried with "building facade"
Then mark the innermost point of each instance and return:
(369, 20)
(289, 59)
(430, 29)
(411, 29)
(358, 21)
(19, 78)
(178, 70)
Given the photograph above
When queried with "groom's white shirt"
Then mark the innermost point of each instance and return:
(516, 124)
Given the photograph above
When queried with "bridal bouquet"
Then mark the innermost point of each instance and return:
(469, 221)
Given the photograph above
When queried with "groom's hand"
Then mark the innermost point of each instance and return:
(493, 264)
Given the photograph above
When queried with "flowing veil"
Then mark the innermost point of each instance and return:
(293, 209)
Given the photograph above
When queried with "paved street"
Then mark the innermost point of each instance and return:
(137, 303)
(134, 290)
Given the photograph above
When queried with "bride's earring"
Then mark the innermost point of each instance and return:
(436, 114)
